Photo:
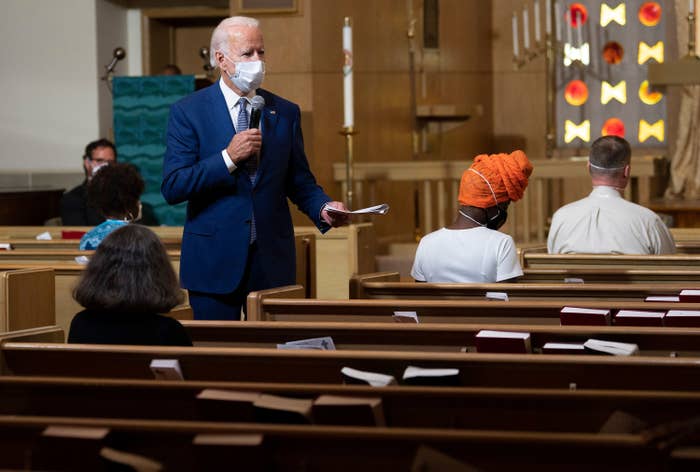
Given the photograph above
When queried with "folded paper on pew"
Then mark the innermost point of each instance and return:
(348, 411)
(573, 280)
(563, 348)
(438, 377)
(689, 296)
(276, 409)
(5, 247)
(324, 343)
(166, 369)
(78, 432)
(129, 461)
(682, 318)
(82, 260)
(503, 341)
(354, 376)
(583, 316)
(502, 296)
(598, 346)
(663, 298)
(405, 317)
(45, 236)
(639, 318)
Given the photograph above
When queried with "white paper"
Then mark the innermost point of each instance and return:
(485, 333)
(591, 311)
(45, 236)
(610, 347)
(640, 314)
(688, 292)
(497, 296)
(324, 343)
(573, 280)
(381, 209)
(83, 260)
(412, 372)
(563, 346)
(406, 317)
(662, 298)
(5, 246)
(372, 378)
(673, 313)
(166, 369)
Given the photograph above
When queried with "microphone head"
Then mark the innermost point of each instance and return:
(119, 53)
(257, 102)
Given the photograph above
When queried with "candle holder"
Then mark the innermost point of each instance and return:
(691, 37)
(348, 132)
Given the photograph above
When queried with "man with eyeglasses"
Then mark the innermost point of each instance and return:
(604, 222)
(75, 210)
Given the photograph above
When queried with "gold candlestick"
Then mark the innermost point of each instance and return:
(348, 132)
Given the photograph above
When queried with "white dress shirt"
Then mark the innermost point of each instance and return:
(605, 223)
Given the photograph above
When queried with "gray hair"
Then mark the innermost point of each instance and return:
(220, 36)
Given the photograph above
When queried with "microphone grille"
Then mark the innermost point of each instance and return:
(257, 102)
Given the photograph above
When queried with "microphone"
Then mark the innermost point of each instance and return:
(257, 103)
(118, 54)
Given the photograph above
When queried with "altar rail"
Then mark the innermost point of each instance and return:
(439, 180)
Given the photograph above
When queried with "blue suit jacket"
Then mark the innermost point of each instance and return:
(220, 204)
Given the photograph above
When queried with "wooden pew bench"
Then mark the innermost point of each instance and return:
(673, 262)
(527, 409)
(182, 445)
(435, 337)
(281, 305)
(387, 285)
(27, 298)
(270, 365)
(613, 275)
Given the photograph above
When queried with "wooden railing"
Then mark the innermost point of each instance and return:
(439, 180)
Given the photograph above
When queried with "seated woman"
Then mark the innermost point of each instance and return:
(128, 281)
(471, 249)
(115, 191)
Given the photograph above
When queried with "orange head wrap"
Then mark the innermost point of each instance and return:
(507, 174)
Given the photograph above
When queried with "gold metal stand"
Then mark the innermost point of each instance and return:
(348, 132)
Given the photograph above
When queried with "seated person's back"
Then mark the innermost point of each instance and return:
(604, 222)
(471, 249)
(115, 191)
(127, 283)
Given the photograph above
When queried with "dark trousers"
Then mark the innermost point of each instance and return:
(227, 306)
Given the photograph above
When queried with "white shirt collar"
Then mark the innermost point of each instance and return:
(230, 96)
(605, 191)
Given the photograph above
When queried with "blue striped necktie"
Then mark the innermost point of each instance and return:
(249, 164)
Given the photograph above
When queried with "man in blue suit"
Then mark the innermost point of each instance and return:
(238, 235)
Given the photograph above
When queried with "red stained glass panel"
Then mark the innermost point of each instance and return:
(650, 13)
(613, 127)
(576, 93)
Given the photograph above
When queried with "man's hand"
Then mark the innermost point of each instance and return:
(244, 145)
(335, 219)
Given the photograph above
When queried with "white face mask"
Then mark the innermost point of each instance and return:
(248, 75)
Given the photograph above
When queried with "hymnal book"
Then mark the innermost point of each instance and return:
(231, 405)
(5, 247)
(639, 318)
(503, 341)
(563, 348)
(276, 409)
(405, 317)
(502, 296)
(166, 369)
(67, 234)
(598, 346)
(583, 316)
(438, 377)
(354, 376)
(682, 318)
(325, 344)
(662, 298)
(348, 411)
(689, 296)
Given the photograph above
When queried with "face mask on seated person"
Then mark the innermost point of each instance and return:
(499, 219)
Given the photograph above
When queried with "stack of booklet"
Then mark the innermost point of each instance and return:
(411, 376)
(323, 344)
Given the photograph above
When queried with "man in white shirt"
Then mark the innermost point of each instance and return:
(471, 249)
(604, 222)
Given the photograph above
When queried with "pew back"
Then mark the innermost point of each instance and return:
(27, 298)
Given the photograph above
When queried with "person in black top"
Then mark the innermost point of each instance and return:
(127, 283)
(75, 210)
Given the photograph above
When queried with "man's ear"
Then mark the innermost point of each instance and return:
(627, 171)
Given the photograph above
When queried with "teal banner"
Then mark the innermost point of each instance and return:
(141, 106)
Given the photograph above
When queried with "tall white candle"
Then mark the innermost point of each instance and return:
(526, 30)
(579, 29)
(536, 10)
(691, 6)
(348, 107)
(557, 19)
(516, 51)
(548, 16)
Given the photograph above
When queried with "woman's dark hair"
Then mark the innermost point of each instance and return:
(130, 272)
(115, 190)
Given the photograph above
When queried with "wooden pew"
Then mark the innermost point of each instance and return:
(387, 285)
(672, 262)
(192, 445)
(401, 406)
(283, 366)
(27, 298)
(436, 337)
(273, 305)
(613, 275)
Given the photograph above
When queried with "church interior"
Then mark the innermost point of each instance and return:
(586, 361)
